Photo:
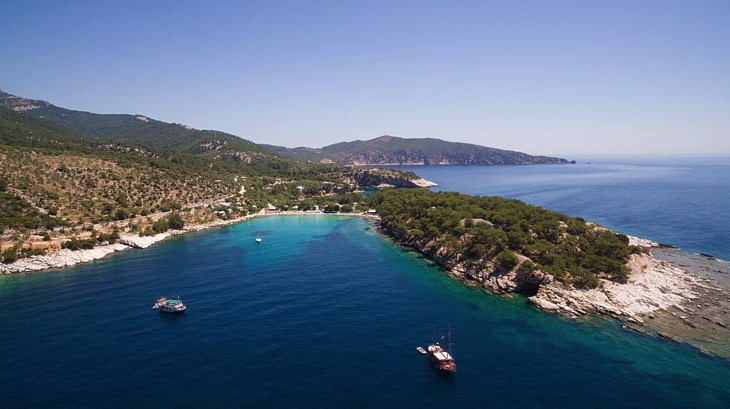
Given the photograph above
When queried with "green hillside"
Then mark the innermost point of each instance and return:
(53, 177)
(496, 235)
(391, 150)
(22, 130)
(109, 131)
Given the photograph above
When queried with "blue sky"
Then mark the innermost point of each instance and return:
(542, 77)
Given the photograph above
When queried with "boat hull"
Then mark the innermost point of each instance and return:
(171, 311)
(441, 359)
(447, 368)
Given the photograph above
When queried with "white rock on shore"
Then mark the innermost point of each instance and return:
(60, 259)
(421, 182)
(653, 285)
(142, 242)
(644, 243)
(68, 258)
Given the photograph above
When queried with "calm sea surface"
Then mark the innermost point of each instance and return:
(679, 200)
(325, 313)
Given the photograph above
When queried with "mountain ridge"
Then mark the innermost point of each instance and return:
(393, 150)
(139, 129)
(134, 130)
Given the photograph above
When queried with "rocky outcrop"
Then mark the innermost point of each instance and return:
(499, 281)
(483, 274)
(388, 178)
(142, 242)
(653, 284)
(60, 259)
(19, 104)
(68, 258)
(421, 182)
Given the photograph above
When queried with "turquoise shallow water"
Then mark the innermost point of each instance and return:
(325, 313)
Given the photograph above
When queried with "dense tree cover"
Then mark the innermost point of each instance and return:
(21, 130)
(496, 230)
(132, 143)
(429, 151)
(52, 176)
(94, 178)
(175, 221)
(79, 244)
(171, 221)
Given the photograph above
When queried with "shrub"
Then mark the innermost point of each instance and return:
(78, 244)
(506, 260)
(160, 225)
(10, 255)
(175, 221)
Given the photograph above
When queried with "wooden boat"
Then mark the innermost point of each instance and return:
(439, 355)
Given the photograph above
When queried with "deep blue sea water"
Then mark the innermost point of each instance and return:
(325, 313)
(679, 200)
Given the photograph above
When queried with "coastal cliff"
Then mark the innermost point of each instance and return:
(659, 298)
(646, 294)
(376, 177)
(652, 284)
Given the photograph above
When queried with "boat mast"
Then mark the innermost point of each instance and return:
(449, 340)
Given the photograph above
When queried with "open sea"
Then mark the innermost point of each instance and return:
(326, 313)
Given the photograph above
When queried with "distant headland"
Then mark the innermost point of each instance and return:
(392, 150)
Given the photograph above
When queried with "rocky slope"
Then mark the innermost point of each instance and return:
(684, 303)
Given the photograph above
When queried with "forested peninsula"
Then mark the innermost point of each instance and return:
(489, 237)
(562, 264)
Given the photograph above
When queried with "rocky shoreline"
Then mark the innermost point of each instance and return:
(703, 322)
(69, 258)
(653, 285)
(672, 294)
(667, 295)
